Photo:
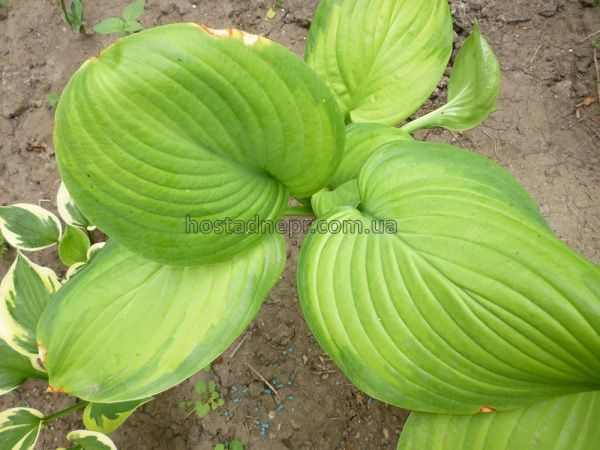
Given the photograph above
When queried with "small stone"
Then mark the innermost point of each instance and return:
(462, 20)
(256, 389)
(167, 9)
(295, 425)
(548, 8)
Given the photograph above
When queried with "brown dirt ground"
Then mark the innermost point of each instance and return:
(540, 134)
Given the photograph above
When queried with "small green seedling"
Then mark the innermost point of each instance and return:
(232, 445)
(209, 399)
(127, 25)
(74, 15)
(52, 99)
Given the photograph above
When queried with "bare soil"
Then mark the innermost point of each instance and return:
(541, 134)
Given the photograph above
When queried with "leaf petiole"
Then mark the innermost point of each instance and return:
(298, 211)
(63, 412)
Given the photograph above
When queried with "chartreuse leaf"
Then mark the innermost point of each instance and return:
(127, 328)
(565, 423)
(29, 227)
(472, 91)
(107, 417)
(14, 369)
(24, 294)
(326, 200)
(69, 211)
(90, 440)
(20, 428)
(461, 299)
(381, 58)
(362, 139)
(74, 246)
(181, 124)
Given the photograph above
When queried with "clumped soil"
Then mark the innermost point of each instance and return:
(541, 133)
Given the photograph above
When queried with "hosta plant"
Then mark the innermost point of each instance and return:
(429, 275)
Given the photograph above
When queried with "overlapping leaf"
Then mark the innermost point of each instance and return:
(74, 245)
(24, 294)
(565, 423)
(381, 58)
(472, 92)
(463, 299)
(69, 211)
(182, 124)
(362, 139)
(126, 328)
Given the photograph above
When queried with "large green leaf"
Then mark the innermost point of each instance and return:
(19, 428)
(107, 417)
(472, 92)
(29, 227)
(24, 294)
(381, 58)
(565, 423)
(181, 124)
(126, 328)
(14, 369)
(463, 300)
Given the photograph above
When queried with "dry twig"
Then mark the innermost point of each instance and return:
(263, 379)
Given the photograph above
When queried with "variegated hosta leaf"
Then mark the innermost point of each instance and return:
(24, 294)
(381, 58)
(69, 211)
(74, 246)
(29, 227)
(107, 417)
(127, 328)
(90, 440)
(472, 91)
(565, 423)
(462, 299)
(15, 369)
(182, 124)
(362, 139)
(20, 428)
